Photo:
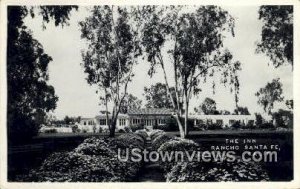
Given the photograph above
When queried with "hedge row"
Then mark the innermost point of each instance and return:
(94, 160)
(183, 171)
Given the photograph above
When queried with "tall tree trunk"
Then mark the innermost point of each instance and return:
(177, 114)
(113, 124)
(186, 113)
(106, 110)
(180, 126)
(112, 128)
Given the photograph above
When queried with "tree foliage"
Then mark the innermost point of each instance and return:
(208, 107)
(29, 95)
(241, 111)
(157, 96)
(196, 49)
(130, 102)
(270, 94)
(283, 118)
(277, 33)
(113, 47)
(290, 104)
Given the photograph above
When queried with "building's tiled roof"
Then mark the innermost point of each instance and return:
(85, 118)
(150, 111)
(109, 115)
(199, 116)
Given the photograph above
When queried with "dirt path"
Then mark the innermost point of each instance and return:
(151, 171)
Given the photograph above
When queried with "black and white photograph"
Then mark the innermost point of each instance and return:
(148, 93)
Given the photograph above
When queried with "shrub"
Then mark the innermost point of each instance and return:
(236, 125)
(250, 125)
(94, 146)
(53, 130)
(201, 126)
(73, 166)
(159, 140)
(127, 129)
(155, 133)
(121, 131)
(179, 145)
(75, 129)
(142, 133)
(170, 125)
(283, 118)
(214, 126)
(84, 130)
(137, 127)
(127, 140)
(216, 171)
(163, 127)
(94, 160)
(267, 125)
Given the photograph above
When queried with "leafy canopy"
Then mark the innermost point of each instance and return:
(277, 34)
(157, 96)
(196, 44)
(29, 95)
(270, 94)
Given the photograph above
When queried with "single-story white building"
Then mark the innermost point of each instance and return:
(225, 120)
(149, 117)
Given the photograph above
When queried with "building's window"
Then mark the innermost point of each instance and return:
(84, 123)
(149, 122)
(219, 122)
(122, 122)
(135, 121)
(161, 121)
(102, 121)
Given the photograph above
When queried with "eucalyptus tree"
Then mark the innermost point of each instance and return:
(193, 40)
(277, 33)
(111, 53)
(270, 94)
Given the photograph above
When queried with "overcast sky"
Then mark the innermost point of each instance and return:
(77, 98)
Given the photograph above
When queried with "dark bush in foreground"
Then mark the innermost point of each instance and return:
(195, 171)
(75, 167)
(159, 140)
(94, 146)
(142, 133)
(128, 140)
(156, 133)
(176, 145)
(216, 171)
(94, 160)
